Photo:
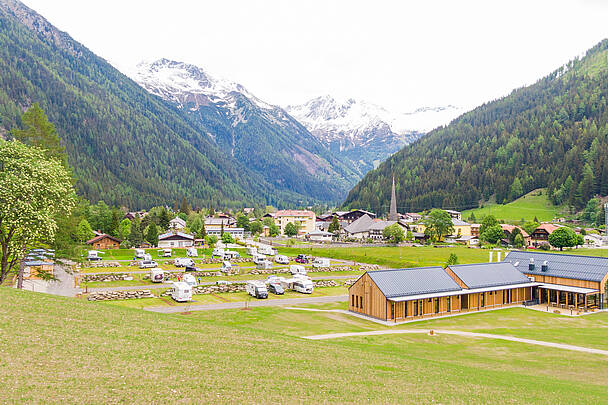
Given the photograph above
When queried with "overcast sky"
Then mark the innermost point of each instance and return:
(399, 54)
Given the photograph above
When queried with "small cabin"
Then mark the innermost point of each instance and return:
(104, 241)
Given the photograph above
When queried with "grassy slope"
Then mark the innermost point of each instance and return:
(526, 207)
(65, 350)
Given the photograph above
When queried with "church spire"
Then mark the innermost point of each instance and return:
(393, 216)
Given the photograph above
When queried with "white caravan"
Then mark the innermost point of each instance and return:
(181, 292)
(320, 262)
(264, 265)
(258, 258)
(189, 279)
(267, 250)
(147, 256)
(227, 266)
(297, 269)
(157, 275)
(299, 283)
(139, 253)
(164, 252)
(230, 254)
(251, 250)
(281, 259)
(183, 262)
(93, 255)
(217, 252)
(257, 289)
(191, 252)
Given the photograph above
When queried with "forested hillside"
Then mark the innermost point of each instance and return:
(551, 134)
(126, 146)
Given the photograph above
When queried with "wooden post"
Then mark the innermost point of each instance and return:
(585, 303)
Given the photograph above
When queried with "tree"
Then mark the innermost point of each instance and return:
(184, 207)
(152, 234)
(519, 241)
(291, 229)
(487, 222)
(274, 230)
(243, 222)
(334, 227)
(516, 189)
(136, 236)
(115, 221)
(530, 227)
(580, 240)
(124, 229)
(34, 189)
(84, 231)
(452, 260)
(438, 224)
(256, 227)
(196, 226)
(182, 215)
(409, 236)
(493, 234)
(513, 235)
(211, 240)
(472, 218)
(227, 238)
(394, 233)
(563, 237)
(163, 219)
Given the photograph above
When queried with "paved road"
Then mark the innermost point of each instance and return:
(461, 333)
(252, 303)
(64, 285)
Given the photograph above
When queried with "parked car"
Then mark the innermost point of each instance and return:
(192, 268)
(147, 264)
(302, 259)
(276, 288)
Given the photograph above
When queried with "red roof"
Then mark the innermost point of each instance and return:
(510, 228)
(547, 227)
(103, 236)
(294, 213)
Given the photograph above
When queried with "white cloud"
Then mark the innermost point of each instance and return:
(400, 54)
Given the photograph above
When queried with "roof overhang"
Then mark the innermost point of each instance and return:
(567, 288)
(461, 292)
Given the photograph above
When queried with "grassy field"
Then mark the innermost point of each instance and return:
(533, 204)
(66, 350)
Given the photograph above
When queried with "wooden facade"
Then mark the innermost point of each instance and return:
(104, 242)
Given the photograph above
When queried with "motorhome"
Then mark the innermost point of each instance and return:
(217, 252)
(191, 252)
(164, 252)
(320, 262)
(251, 250)
(93, 255)
(257, 289)
(189, 279)
(297, 269)
(230, 254)
(264, 265)
(227, 266)
(183, 262)
(258, 258)
(147, 264)
(181, 292)
(281, 259)
(157, 275)
(267, 250)
(139, 253)
(147, 256)
(299, 283)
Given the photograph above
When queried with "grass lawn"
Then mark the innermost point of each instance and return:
(57, 349)
(397, 257)
(527, 207)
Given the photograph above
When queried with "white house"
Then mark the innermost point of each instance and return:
(237, 233)
(175, 240)
(320, 236)
(177, 223)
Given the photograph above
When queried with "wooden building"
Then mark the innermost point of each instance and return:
(541, 234)
(566, 281)
(405, 294)
(104, 241)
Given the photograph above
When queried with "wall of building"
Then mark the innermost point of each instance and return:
(365, 291)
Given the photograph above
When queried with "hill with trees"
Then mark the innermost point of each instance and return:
(552, 134)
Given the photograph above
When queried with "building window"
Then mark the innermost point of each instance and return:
(353, 300)
(483, 299)
(361, 302)
(449, 302)
(392, 310)
(436, 305)
(415, 304)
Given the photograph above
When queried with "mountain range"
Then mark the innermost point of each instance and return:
(551, 134)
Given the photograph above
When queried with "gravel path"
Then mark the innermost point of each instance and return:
(252, 303)
(461, 333)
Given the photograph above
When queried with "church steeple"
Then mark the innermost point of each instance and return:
(393, 216)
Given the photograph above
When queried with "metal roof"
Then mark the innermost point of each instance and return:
(360, 225)
(483, 275)
(464, 291)
(414, 281)
(589, 268)
(578, 290)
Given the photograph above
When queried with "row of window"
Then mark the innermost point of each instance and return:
(357, 301)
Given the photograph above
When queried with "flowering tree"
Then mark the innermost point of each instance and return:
(34, 189)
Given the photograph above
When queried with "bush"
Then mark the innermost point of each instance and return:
(544, 246)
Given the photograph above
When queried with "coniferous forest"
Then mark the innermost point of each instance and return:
(551, 134)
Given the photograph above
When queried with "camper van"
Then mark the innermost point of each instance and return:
(264, 265)
(302, 285)
(297, 269)
(181, 292)
(94, 255)
(183, 262)
(147, 256)
(147, 264)
(189, 279)
(320, 262)
(258, 258)
(217, 252)
(191, 252)
(230, 254)
(257, 289)
(267, 250)
(251, 250)
(157, 275)
(281, 259)
(139, 253)
(164, 252)
(227, 266)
